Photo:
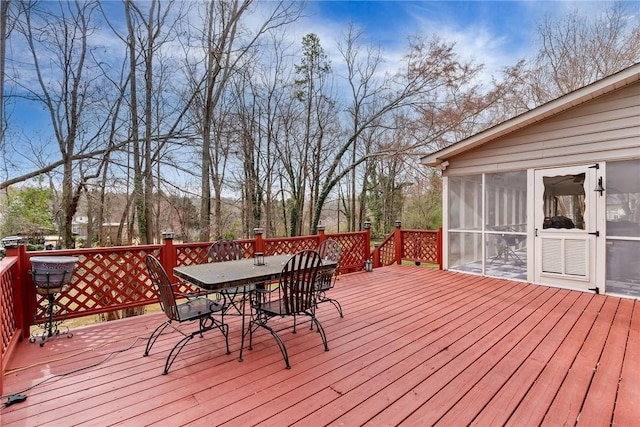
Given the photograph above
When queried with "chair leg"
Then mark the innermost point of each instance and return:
(173, 353)
(283, 348)
(514, 255)
(224, 329)
(154, 336)
(208, 323)
(335, 303)
(274, 334)
(204, 327)
(321, 331)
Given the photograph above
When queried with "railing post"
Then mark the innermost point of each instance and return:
(168, 256)
(321, 236)
(26, 294)
(259, 247)
(23, 293)
(17, 274)
(367, 244)
(440, 247)
(397, 240)
(376, 255)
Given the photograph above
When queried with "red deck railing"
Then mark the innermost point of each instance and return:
(9, 314)
(409, 245)
(107, 280)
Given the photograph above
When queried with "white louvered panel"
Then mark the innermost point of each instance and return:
(551, 256)
(575, 255)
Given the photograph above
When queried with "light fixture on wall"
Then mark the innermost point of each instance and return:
(599, 188)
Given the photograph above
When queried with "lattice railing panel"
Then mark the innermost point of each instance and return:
(7, 304)
(353, 251)
(115, 278)
(388, 251)
(104, 281)
(290, 246)
(193, 253)
(420, 246)
(197, 253)
(248, 248)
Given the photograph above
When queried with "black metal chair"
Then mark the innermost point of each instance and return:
(294, 295)
(195, 309)
(329, 250)
(229, 250)
(506, 245)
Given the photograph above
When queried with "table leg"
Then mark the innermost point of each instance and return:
(244, 308)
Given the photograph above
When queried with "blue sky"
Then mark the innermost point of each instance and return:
(496, 33)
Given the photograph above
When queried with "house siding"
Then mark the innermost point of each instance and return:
(603, 129)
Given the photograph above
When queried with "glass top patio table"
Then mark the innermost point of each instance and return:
(229, 274)
(216, 276)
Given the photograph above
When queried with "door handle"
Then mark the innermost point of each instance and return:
(595, 233)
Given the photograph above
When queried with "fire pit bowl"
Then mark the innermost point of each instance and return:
(52, 273)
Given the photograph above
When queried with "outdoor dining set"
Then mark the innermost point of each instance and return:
(280, 286)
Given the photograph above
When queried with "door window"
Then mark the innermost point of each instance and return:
(564, 202)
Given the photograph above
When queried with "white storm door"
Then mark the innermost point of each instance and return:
(565, 227)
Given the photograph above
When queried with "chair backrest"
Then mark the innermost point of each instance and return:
(297, 284)
(225, 250)
(329, 250)
(160, 280)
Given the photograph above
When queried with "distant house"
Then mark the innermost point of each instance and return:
(551, 196)
(110, 233)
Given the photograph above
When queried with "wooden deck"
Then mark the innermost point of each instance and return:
(416, 347)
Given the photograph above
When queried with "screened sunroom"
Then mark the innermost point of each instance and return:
(551, 196)
(488, 224)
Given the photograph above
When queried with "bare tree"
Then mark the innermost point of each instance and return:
(4, 20)
(154, 120)
(575, 50)
(275, 108)
(434, 84)
(362, 64)
(143, 187)
(303, 160)
(224, 45)
(249, 134)
(59, 48)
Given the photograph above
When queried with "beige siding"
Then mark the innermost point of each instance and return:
(606, 128)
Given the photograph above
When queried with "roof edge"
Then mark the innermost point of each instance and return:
(593, 90)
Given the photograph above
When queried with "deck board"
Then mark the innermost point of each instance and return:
(567, 405)
(600, 401)
(627, 410)
(498, 364)
(511, 395)
(535, 404)
(416, 347)
(452, 354)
